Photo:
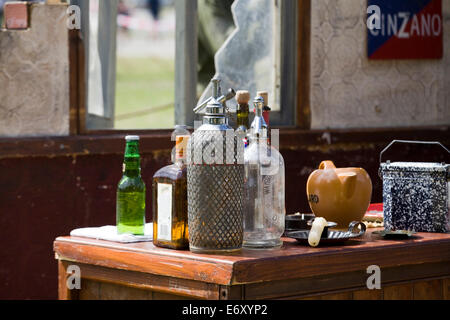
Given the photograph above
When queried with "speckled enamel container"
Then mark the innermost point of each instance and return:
(416, 196)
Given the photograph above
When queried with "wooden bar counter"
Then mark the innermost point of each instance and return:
(416, 268)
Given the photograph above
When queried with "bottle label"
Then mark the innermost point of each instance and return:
(164, 212)
(267, 184)
(181, 147)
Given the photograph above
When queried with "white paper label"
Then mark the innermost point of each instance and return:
(164, 211)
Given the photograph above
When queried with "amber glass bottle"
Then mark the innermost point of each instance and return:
(170, 216)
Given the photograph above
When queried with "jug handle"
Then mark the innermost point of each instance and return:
(327, 164)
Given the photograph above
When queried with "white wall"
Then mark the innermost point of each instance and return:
(34, 75)
(349, 91)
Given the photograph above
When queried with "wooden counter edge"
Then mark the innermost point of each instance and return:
(270, 269)
(218, 272)
(223, 272)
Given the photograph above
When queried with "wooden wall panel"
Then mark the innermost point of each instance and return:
(337, 296)
(167, 296)
(446, 289)
(428, 290)
(150, 282)
(398, 292)
(434, 289)
(332, 296)
(368, 295)
(110, 291)
(90, 290)
(94, 290)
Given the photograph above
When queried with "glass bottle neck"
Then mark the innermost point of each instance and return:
(181, 143)
(256, 139)
(130, 170)
(132, 161)
(180, 163)
(242, 113)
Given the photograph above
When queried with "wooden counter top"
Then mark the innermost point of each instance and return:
(292, 261)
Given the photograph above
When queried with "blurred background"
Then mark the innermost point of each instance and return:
(145, 82)
(59, 170)
(145, 60)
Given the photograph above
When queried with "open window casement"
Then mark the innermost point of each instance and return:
(98, 31)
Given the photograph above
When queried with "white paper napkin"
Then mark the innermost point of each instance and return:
(109, 233)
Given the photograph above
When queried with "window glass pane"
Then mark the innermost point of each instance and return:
(95, 90)
(2, 3)
(249, 59)
(145, 74)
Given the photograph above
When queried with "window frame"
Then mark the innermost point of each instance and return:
(287, 116)
(186, 57)
(107, 51)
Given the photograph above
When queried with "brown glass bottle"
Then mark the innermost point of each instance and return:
(242, 112)
(170, 217)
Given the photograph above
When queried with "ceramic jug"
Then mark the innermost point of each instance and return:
(341, 195)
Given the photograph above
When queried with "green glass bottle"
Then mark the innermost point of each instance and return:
(130, 209)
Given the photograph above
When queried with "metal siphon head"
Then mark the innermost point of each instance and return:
(258, 127)
(214, 108)
(258, 102)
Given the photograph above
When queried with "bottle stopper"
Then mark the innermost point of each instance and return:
(264, 95)
(242, 96)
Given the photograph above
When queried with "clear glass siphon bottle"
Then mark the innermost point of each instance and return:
(264, 195)
(242, 113)
(130, 202)
(170, 215)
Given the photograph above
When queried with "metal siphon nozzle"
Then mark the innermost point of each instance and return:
(222, 99)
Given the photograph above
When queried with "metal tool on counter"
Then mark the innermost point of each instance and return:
(355, 230)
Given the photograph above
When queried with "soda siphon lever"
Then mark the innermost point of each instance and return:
(216, 92)
(230, 95)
